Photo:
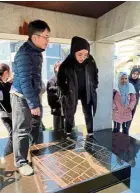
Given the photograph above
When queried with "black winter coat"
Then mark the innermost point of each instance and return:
(5, 88)
(68, 84)
(136, 84)
(53, 96)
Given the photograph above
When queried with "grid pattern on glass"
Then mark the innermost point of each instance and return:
(66, 166)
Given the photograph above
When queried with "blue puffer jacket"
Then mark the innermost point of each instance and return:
(27, 73)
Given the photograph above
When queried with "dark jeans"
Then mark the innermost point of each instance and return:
(69, 123)
(35, 129)
(58, 123)
(125, 127)
(21, 121)
(87, 110)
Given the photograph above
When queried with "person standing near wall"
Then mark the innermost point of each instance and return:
(78, 80)
(53, 95)
(124, 100)
(26, 90)
(5, 106)
(135, 80)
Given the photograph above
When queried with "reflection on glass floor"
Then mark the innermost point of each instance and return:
(69, 162)
(125, 148)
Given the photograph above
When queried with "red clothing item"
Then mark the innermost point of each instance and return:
(122, 113)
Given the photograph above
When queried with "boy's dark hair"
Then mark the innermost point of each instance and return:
(37, 26)
(3, 68)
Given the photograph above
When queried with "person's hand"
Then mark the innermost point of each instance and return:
(10, 79)
(127, 107)
(36, 111)
(58, 63)
(114, 107)
(56, 66)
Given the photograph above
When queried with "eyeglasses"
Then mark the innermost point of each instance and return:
(46, 38)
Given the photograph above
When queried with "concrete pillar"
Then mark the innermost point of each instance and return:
(104, 56)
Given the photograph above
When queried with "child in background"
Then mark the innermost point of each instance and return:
(135, 80)
(124, 101)
(54, 100)
(5, 106)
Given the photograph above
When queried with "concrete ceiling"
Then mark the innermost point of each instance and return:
(93, 9)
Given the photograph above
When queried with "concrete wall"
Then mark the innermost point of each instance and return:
(65, 26)
(118, 24)
(104, 56)
(62, 25)
(124, 18)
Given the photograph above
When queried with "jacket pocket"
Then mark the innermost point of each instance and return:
(94, 99)
(22, 102)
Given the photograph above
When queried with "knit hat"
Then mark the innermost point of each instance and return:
(78, 44)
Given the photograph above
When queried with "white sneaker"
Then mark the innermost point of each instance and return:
(26, 170)
(68, 135)
(89, 134)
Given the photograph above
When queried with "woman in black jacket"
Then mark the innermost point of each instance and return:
(78, 80)
(135, 80)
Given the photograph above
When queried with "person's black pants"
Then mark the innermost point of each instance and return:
(36, 134)
(125, 127)
(35, 129)
(87, 110)
(58, 123)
